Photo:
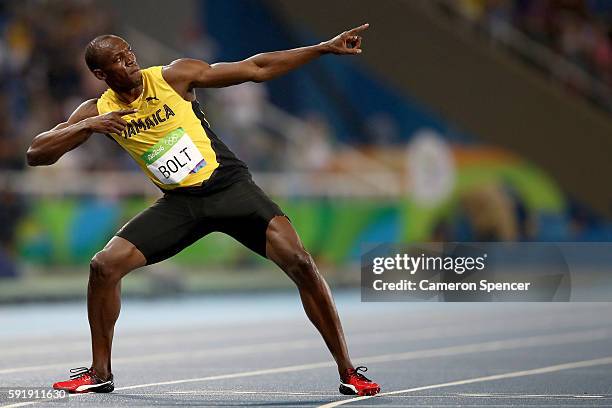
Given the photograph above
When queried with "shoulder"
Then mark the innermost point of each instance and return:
(182, 64)
(181, 75)
(183, 69)
(158, 74)
(106, 102)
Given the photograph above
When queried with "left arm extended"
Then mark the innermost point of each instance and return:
(186, 74)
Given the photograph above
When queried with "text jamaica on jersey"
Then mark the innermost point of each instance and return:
(134, 126)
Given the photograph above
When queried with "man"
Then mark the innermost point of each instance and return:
(154, 115)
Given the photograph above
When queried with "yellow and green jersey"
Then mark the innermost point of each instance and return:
(170, 139)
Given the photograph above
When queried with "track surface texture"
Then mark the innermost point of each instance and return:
(259, 350)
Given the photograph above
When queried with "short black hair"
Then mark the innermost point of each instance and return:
(92, 51)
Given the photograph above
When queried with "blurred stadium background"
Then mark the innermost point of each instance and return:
(463, 120)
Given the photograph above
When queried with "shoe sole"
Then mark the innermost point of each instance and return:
(351, 390)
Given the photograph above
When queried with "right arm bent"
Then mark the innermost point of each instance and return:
(49, 146)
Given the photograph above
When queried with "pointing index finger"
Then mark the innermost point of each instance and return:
(359, 29)
(124, 112)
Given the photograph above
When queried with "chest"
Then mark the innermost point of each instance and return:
(152, 119)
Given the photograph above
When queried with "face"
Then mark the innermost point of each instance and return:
(118, 66)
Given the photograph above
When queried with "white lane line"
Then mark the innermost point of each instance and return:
(164, 340)
(231, 330)
(507, 395)
(21, 404)
(26, 344)
(573, 405)
(211, 352)
(225, 392)
(182, 335)
(122, 341)
(359, 338)
(533, 341)
(514, 374)
(278, 370)
(364, 338)
(328, 394)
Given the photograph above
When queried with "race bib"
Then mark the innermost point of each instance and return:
(174, 157)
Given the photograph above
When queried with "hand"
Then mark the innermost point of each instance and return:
(111, 122)
(348, 42)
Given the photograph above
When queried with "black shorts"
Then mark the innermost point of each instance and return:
(241, 210)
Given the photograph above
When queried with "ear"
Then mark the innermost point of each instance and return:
(99, 74)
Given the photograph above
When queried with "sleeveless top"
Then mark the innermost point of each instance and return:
(171, 139)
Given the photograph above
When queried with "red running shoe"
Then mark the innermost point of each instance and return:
(355, 383)
(84, 380)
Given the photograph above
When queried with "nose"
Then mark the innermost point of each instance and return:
(131, 60)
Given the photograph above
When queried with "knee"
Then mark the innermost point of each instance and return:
(105, 267)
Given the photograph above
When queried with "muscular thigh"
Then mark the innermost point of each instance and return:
(244, 213)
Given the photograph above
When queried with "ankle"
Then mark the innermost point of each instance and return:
(344, 370)
(102, 374)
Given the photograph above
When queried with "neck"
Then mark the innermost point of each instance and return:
(128, 96)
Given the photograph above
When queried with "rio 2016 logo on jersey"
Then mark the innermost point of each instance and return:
(135, 126)
(172, 139)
